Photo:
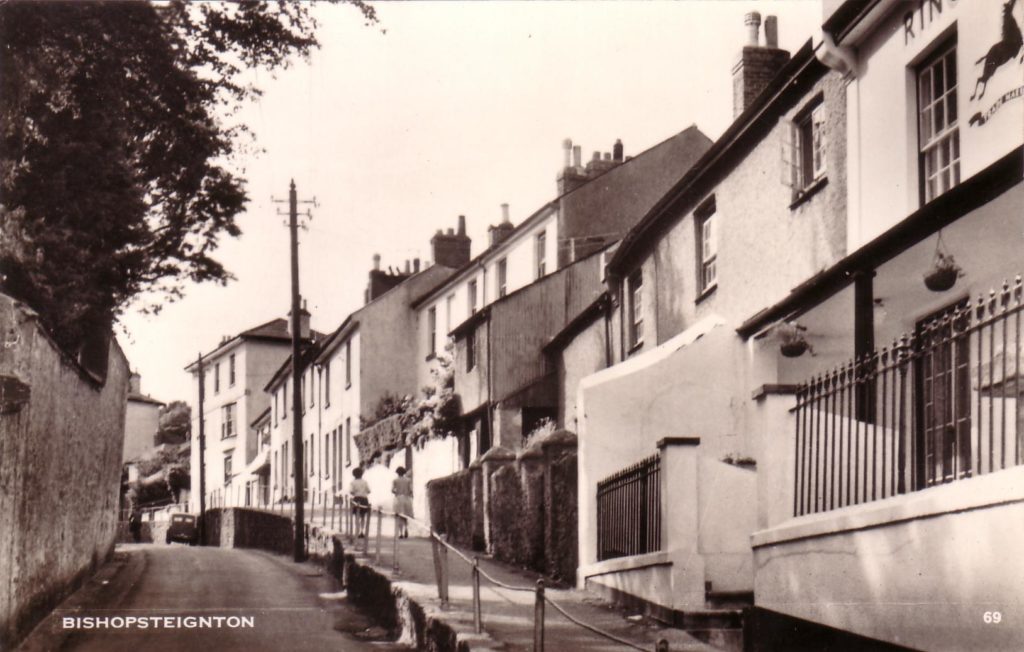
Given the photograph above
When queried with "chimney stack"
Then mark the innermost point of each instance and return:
(451, 249)
(771, 32)
(572, 175)
(758, 65)
(503, 230)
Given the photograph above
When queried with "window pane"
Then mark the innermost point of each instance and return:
(939, 82)
(940, 117)
(951, 69)
(925, 92)
(951, 108)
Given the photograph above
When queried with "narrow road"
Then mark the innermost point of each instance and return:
(262, 601)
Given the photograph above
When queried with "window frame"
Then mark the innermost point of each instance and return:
(228, 418)
(231, 370)
(540, 253)
(949, 135)
(470, 351)
(634, 308)
(501, 277)
(348, 441)
(431, 332)
(471, 296)
(229, 462)
(327, 383)
(705, 219)
(216, 378)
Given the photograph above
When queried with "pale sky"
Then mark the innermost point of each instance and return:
(457, 108)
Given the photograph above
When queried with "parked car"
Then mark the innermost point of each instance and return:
(183, 528)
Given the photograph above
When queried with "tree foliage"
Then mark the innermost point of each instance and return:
(175, 423)
(116, 145)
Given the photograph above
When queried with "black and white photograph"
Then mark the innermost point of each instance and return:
(517, 325)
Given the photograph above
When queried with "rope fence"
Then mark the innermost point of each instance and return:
(359, 532)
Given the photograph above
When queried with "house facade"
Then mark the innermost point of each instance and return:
(235, 374)
(890, 506)
(141, 421)
(672, 434)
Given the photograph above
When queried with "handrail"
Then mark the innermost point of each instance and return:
(538, 590)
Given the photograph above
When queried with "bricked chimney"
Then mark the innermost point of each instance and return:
(451, 249)
(501, 231)
(572, 175)
(758, 64)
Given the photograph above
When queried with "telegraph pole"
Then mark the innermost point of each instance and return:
(299, 543)
(202, 452)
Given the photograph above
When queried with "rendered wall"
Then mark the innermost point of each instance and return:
(920, 570)
(61, 436)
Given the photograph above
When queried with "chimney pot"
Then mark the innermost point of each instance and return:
(462, 225)
(504, 214)
(617, 150)
(577, 155)
(596, 156)
(376, 261)
(408, 266)
(771, 32)
(416, 265)
(451, 231)
(607, 156)
(753, 22)
(567, 152)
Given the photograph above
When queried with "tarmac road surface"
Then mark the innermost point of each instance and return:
(233, 599)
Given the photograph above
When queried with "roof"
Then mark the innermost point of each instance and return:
(263, 416)
(275, 330)
(306, 355)
(847, 16)
(473, 262)
(944, 210)
(143, 398)
(791, 83)
(590, 314)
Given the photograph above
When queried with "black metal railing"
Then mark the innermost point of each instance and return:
(941, 404)
(629, 511)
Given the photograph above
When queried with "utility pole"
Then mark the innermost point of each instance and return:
(299, 543)
(202, 452)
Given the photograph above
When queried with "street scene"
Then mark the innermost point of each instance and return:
(512, 326)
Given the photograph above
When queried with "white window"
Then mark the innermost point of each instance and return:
(502, 279)
(231, 370)
(227, 467)
(227, 425)
(707, 244)
(472, 298)
(937, 123)
(432, 332)
(448, 304)
(636, 315)
(216, 378)
(540, 253)
(803, 149)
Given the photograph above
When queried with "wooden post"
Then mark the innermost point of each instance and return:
(380, 519)
(394, 551)
(477, 624)
(538, 618)
(435, 547)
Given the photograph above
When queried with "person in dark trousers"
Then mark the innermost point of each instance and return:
(135, 524)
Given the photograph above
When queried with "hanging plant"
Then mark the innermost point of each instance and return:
(944, 272)
(793, 343)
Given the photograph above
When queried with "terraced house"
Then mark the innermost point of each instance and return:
(676, 412)
(892, 498)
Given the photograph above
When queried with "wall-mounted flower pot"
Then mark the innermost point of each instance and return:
(794, 348)
(941, 279)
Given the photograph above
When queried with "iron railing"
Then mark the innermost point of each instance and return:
(629, 511)
(941, 404)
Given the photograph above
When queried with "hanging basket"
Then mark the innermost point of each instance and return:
(793, 344)
(944, 271)
(794, 348)
(941, 279)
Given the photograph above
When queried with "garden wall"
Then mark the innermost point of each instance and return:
(530, 505)
(61, 435)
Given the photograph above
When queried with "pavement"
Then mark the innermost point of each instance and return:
(292, 606)
(508, 615)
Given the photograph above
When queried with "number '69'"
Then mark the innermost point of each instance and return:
(992, 617)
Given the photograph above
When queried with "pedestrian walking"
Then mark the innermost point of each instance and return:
(402, 489)
(135, 524)
(360, 490)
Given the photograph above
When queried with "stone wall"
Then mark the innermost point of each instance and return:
(249, 528)
(61, 434)
(453, 510)
(530, 504)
